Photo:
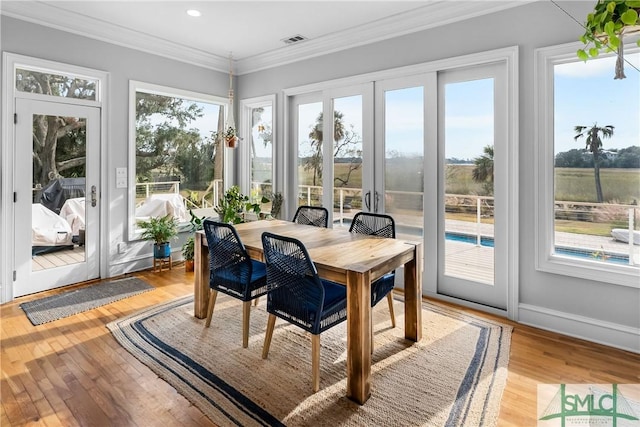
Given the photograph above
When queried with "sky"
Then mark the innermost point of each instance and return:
(585, 93)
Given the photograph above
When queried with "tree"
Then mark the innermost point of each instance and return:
(161, 132)
(593, 143)
(574, 158)
(345, 146)
(483, 169)
(58, 142)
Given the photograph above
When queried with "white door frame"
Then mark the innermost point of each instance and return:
(507, 55)
(12, 61)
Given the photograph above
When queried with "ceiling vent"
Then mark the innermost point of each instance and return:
(294, 39)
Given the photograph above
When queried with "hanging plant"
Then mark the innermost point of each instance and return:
(606, 27)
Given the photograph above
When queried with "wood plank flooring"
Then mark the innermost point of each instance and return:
(72, 372)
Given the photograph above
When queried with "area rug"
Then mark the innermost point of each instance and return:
(454, 376)
(76, 301)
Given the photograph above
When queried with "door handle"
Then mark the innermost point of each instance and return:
(367, 200)
(94, 199)
(375, 202)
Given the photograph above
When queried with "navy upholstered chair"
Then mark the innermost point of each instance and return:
(312, 215)
(299, 296)
(384, 226)
(232, 271)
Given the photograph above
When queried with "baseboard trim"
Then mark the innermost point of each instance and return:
(601, 332)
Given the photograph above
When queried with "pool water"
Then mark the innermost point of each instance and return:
(489, 242)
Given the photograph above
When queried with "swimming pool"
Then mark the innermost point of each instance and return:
(488, 241)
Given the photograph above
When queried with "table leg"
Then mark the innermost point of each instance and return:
(358, 336)
(413, 296)
(201, 275)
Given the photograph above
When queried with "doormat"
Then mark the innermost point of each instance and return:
(76, 301)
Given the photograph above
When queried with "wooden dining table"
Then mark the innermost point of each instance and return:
(353, 260)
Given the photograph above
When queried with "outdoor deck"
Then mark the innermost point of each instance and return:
(462, 260)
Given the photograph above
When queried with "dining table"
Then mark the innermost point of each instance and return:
(353, 260)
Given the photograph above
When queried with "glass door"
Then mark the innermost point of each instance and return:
(56, 209)
(472, 197)
(335, 157)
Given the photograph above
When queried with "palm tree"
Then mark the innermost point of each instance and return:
(483, 170)
(315, 138)
(594, 145)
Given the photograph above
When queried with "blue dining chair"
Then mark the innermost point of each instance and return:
(299, 296)
(381, 225)
(312, 215)
(232, 271)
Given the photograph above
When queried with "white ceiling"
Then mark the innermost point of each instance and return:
(252, 31)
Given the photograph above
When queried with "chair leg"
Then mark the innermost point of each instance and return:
(267, 337)
(315, 361)
(391, 313)
(255, 302)
(213, 294)
(246, 313)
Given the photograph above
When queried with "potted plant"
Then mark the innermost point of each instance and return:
(160, 230)
(232, 206)
(229, 136)
(606, 27)
(188, 247)
(187, 253)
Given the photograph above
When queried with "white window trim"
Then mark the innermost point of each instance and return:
(134, 87)
(545, 59)
(244, 169)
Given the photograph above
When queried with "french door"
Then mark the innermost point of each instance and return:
(334, 158)
(441, 164)
(473, 185)
(56, 216)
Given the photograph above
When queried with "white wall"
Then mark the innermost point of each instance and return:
(122, 64)
(598, 311)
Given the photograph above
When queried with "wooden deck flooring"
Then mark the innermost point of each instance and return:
(58, 259)
(72, 372)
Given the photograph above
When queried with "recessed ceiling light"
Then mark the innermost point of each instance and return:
(193, 12)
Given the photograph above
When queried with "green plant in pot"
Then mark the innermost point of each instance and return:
(160, 230)
(188, 248)
(188, 253)
(232, 206)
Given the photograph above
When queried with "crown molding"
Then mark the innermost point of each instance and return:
(435, 14)
(43, 13)
(432, 15)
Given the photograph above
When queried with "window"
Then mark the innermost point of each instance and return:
(52, 83)
(257, 149)
(588, 166)
(176, 160)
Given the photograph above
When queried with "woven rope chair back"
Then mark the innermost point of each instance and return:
(229, 263)
(312, 215)
(295, 290)
(373, 225)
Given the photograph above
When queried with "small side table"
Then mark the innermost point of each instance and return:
(158, 263)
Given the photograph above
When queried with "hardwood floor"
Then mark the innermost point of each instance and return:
(72, 372)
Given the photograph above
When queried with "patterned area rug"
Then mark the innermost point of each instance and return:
(454, 376)
(76, 301)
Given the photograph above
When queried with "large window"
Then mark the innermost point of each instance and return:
(176, 160)
(258, 150)
(589, 166)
